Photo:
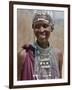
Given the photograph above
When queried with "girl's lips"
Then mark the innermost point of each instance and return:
(42, 36)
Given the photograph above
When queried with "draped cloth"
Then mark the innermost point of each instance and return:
(28, 66)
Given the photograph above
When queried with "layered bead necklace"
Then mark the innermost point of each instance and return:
(42, 68)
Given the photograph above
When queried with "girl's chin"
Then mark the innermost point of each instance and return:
(44, 40)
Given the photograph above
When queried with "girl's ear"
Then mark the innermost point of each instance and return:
(52, 27)
(32, 26)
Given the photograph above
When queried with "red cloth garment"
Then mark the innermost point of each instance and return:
(28, 66)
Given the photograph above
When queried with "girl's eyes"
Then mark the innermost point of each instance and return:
(45, 25)
(39, 25)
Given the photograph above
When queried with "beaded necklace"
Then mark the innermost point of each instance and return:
(42, 68)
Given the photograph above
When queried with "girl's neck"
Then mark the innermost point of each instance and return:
(43, 45)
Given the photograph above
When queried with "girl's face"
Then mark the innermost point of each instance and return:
(42, 31)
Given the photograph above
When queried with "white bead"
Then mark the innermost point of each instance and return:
(47, 63)
(44, 63)
(40, 63)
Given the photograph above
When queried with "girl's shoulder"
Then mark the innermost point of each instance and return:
(24, 49)
(58, 53)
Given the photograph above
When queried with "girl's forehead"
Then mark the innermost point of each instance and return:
(41, 22)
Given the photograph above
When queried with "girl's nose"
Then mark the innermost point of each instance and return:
(41, 29)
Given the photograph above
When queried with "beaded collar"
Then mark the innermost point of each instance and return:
(39, 50)
(42, 61)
